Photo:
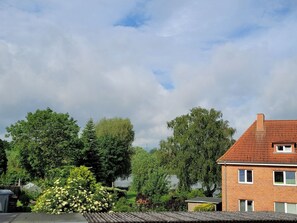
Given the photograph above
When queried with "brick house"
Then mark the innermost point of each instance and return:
(259, 170)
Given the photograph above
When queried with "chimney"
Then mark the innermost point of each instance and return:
(260, 122)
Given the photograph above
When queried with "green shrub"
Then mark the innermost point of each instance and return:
(195, 193)
(122, 205)
(80, 194)
(205, 207)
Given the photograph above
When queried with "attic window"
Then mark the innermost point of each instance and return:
(284, 148)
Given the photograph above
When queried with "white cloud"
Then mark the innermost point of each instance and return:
(229, 55)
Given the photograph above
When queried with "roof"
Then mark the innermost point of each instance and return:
(216, 216)
(205, 200)
(256, 146)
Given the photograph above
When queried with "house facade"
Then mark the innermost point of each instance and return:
(259, 170)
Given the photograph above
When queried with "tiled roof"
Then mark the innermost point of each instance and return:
(256, 146)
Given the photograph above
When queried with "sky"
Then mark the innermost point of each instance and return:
(148, 60)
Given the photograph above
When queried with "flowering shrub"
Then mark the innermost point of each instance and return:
(80, 194)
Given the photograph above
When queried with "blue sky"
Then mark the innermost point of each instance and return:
(149, 61)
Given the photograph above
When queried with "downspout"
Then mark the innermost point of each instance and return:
(226, 200)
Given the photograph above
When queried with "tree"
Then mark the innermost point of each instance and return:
(115, 139)
(199, 139)
(118, 128)
(46, 140)
(116, 158)
(149, 178)
(90, 153)
(3, 158)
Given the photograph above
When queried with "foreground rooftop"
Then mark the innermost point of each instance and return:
(152, 217)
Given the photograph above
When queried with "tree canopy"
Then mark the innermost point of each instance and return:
(115, 138)
(149, 178)
(119, 128)
(89, 155)
(199, 139)
(46, 140)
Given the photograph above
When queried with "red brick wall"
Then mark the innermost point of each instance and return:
(263, 192)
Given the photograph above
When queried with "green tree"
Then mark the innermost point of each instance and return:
(115, 139)
(46, 140)
(90, 153)
(3, 158)
(116, 127)
(116, 158)
(199, 139)
(149, 178)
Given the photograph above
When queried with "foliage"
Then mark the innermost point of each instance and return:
(46, 140)
(15, 172)
(199, 139)
(149, 178)
(120, 128)
(195, 193)
(123, 205)
(80, 194)
(115, 139)
(3, 158)
(90, 154)
(116, 156)
(205, 207)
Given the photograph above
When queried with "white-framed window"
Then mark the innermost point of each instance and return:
(284, 148)
(284, 177)
(246, 205)
(245, 176)
(285, 207)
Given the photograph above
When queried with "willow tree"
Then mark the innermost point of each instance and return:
(199, 139)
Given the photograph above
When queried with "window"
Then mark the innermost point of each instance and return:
(284, 178)
(245, 176)
(284, 148)
(246, 205)
(285, 207)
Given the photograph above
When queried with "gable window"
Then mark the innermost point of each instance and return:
(245, 176)
(285, 207)
(284, 177)
(284, 148)
(246, 205)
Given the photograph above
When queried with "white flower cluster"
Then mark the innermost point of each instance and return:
(73, 198)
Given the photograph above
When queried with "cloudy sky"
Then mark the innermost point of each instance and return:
(148, 60)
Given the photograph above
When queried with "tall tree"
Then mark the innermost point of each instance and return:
(199, 139)
(116, 158)
(90, 153)
(115, 138)
(46, 140)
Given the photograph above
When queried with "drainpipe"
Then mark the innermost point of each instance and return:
(226, 200)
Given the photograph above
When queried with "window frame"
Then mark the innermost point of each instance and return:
(283, 151)
(245, 205)
(284, 177)
(285, 206)
(245, 176)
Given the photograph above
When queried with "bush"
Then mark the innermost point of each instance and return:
(122, 205)
(80, 194)
(205, 207)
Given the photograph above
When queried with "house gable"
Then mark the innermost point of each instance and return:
(259, 143)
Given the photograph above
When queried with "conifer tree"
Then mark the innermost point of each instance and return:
(90, 153)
